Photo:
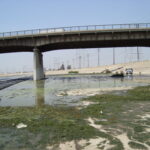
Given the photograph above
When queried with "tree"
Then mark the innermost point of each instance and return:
(62, 67)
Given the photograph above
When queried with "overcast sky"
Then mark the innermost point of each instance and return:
(32, 14)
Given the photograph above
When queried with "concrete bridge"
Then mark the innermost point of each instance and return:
(93, 36)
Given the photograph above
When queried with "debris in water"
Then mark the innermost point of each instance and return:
(21, 125)
(101, 112)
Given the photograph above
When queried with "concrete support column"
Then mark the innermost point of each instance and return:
(38, 65)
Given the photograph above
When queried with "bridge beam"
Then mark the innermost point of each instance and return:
(38, 65)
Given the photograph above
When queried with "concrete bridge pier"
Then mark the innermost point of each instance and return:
(38, 65)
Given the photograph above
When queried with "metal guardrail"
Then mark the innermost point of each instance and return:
(75, 28)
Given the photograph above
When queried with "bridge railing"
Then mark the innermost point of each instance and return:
(75, 29)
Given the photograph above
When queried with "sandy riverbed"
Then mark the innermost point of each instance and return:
(142, 67)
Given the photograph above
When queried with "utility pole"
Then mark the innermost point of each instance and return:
(88, 60)
(125, 55)
(80, 62)
(98, 57)
(67, 64)
(73, 64)
(113, 56)
(55, 63)
(138, 54)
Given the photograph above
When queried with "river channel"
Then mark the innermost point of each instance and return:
(75, 112)
(64, 90)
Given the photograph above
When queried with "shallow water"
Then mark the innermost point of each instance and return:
(113, 122)
(54, 90)
(11, 77)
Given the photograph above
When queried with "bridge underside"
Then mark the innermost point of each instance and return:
(96, 44)
(77, 45)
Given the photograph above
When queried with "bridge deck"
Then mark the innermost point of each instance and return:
(76, 30)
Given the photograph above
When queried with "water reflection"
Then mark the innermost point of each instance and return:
(39, 93)
(130, 77)
(66, 90)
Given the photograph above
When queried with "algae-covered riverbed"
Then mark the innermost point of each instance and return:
(54, 119)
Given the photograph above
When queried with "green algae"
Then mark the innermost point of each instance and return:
(137, 146)
(48, 125)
